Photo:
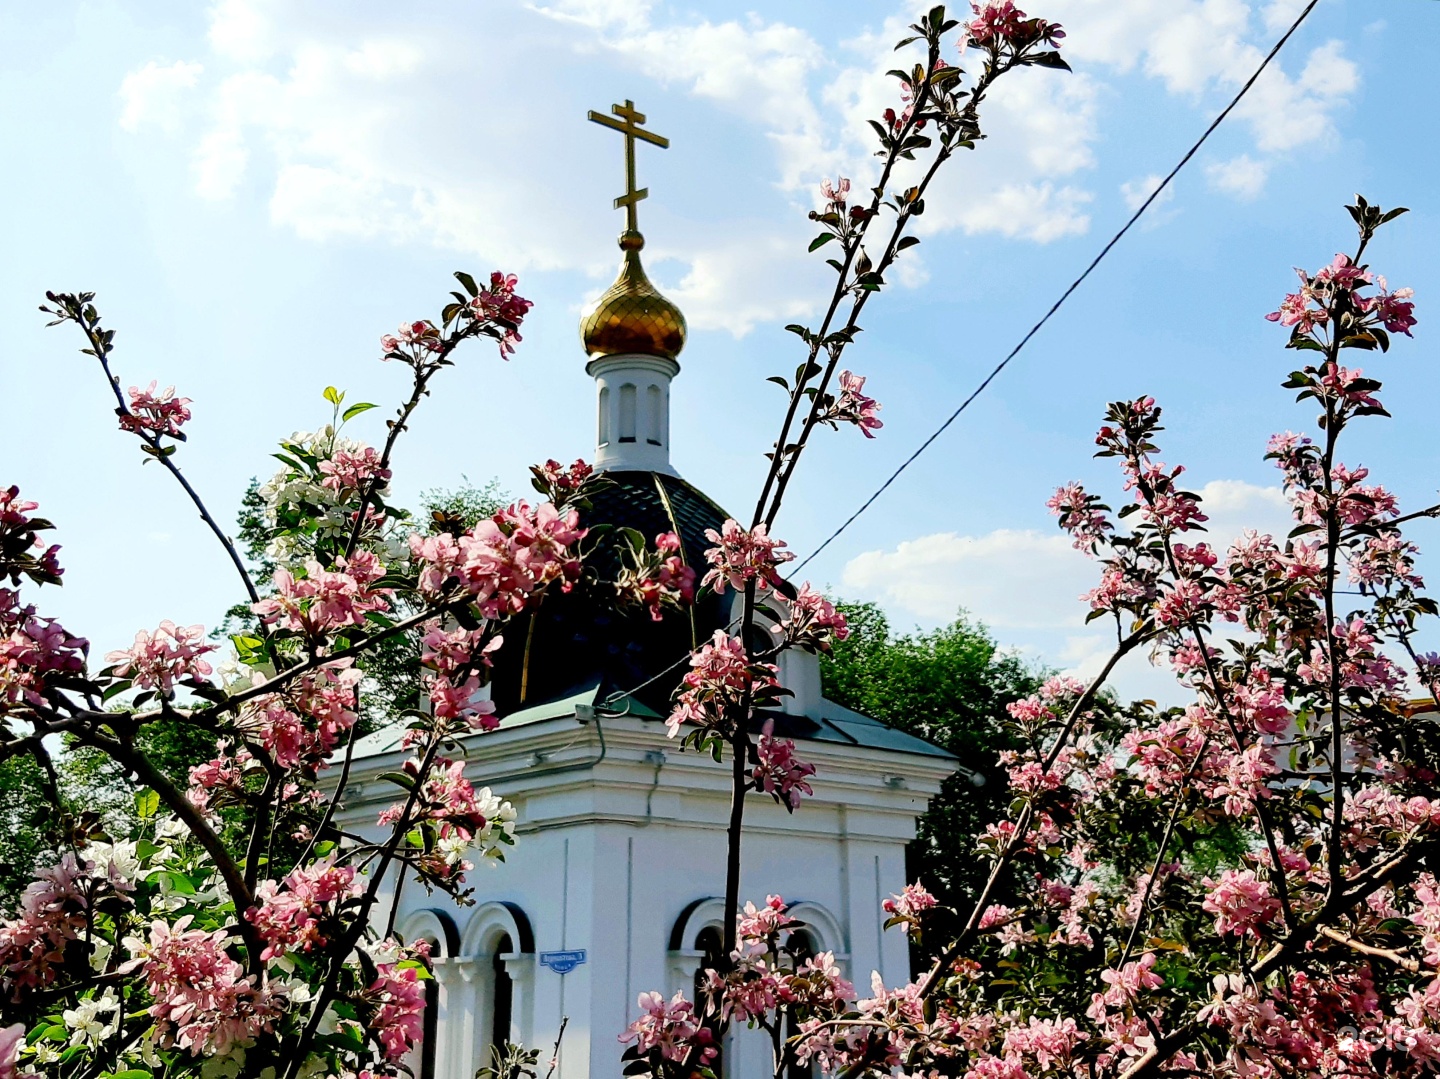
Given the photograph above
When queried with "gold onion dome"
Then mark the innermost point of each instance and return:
(631, 316)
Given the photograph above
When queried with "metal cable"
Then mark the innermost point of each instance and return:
(1073, 286)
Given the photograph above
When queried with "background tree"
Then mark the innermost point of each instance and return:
(949, 686)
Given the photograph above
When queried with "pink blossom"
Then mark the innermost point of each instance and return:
(673, 1028)
(203, 1000)
(778, 771)
(288, 917)
(911, 903)
(159, 412)
(398, 1000)
(998, 21)
(33, 652)
(1394, 309)
(446, 797)
(420, 336)
(1047, 1041)
(501, 303)
(813, 622)
(559, 479)
(351, 471)
(1081, 515)
(1341, 383)
(52, 912)
(740, 556)
(504, 561)
(12, 1040)
(325, 600)
(852, 406)
(1241, 902)
(158, 660)
(719, 678)
(660, 579)
(757, 926)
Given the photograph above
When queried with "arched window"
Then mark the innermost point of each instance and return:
(627, 412)
(435, 928)
(430, 1036)
(711, 946)
(502, 990)
(498, 947)
(604, 415)
(802, 945)
(654, 414)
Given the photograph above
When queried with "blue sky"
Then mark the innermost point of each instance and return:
(257, 189)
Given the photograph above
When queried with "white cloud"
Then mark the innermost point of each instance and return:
(1135, 192)
(1010, 579)
(390, 130)
(1241, 176)
(156, 94)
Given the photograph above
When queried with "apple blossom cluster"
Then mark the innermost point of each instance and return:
(502, 563)
(453, 661)
(155, 411)
(658, 579)
(322, 601)
(496, 311)
(561, 483)
(1330, 297)
(295, 915)
(53, 911)
(445, 817)
(670, 1030)
(36, 653)
(722, 683)
(309, 507)
(851, 405)
(421, 335)
(352, 470)
(161, 660)
(778, 771)
(811, 621)
(20, 539)
(397, 998)
(743, 556)
(998, 22)
(204, 1001)
(908, 906)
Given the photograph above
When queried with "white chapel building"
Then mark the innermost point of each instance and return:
(614, 885)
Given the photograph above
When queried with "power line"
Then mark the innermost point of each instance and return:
(1073, 286)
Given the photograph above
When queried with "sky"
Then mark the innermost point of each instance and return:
(257, 189)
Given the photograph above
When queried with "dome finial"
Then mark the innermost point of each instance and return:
(632, 317)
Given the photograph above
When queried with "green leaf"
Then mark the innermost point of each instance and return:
(129, 1073)
(400, 779)
(1050, 59)
(821, 240)
(468, 281)
(333, 395)
(355, 410)
(907, 241)
(147, 803)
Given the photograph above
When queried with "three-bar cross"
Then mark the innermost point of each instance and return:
(629, 126)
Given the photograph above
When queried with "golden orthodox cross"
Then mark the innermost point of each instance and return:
(629, 126)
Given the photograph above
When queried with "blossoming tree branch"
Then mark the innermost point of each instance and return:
(1244, 886)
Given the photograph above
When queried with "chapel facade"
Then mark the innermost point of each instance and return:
(614, 887)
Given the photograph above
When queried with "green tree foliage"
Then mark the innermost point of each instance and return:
(949, 686)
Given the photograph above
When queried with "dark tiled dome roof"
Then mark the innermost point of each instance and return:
(577, 637)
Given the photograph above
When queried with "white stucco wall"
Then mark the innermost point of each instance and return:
(615, 844)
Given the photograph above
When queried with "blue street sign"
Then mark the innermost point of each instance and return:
(563, 962)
